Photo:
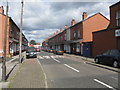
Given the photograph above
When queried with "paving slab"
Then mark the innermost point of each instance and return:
(30, 75)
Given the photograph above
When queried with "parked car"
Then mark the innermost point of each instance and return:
(51, 50)
(111, 57)
(59, 52)
(31, 52)
(37, 49)
(55, 51)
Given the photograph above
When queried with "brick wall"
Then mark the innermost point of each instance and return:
(103, 41)
(1, 46)
(113, 11)
(95, 23)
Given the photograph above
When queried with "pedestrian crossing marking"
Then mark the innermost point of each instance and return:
(50, 57)
(40, 57)
(46, 57)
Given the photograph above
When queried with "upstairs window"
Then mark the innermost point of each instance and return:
(65, 36)
(118, 18)
(78, 33)
(74, 34)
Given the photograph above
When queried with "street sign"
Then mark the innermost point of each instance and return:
(117, 32)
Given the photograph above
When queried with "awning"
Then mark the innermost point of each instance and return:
(74, 41)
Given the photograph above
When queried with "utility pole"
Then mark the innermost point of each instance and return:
(4, 54)
(20, 51)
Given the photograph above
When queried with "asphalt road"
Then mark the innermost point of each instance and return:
(64, 72)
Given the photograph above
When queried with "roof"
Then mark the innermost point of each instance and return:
(115, 4)
(108, 29)
(91, 17)
(81, 22)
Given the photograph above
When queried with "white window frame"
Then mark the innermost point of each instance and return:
(74, 34)
(118, 18)
(78, 33)
(65, 36)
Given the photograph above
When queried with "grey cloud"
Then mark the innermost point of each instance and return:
(46, 17)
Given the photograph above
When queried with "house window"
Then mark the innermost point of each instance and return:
(65, 37)
(74, 34)
(78, 33)
(68, 34)
(118, 18)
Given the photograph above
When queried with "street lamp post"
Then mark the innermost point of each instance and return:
(20, 51)
(4, 54)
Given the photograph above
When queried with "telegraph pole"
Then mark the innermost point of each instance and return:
(20, 51)
(4, 54)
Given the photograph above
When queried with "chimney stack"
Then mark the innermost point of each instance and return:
(61, 30)
(84, 16)
(73, 22)
(66, 26)
(1, 10)
(56, 32)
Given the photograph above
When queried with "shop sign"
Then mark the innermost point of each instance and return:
(117, 32)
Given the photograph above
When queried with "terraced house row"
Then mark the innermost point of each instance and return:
(12, 45)
(90, 36)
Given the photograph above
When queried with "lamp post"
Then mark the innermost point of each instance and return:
(20, 40)
(4, 53)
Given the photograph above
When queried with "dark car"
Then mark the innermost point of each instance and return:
(59, 52)
(31, 52)
(111, 57)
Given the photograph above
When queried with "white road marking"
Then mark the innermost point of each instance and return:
(71, 68)
(52, 56)
(46, 57)
(56, 60)
(61, 56)
(115, 78)
(46, 85)
(40, 57)
(57, 56)
(84, 62)
(52, 80)
(104, 84)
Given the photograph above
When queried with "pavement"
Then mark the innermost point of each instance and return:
(30, 75)
(12, 66)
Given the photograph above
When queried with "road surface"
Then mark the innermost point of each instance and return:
(65, 72)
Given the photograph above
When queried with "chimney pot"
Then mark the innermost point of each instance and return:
(84, 16)
(61, 30)
(66, 26)
(56, 32)
(1, 10)
(73, 22)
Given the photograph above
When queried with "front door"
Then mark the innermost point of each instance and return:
(118, 43)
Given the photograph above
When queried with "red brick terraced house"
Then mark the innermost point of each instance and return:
(12, 45)
(79, 35)
(109, 38)
(77, 39)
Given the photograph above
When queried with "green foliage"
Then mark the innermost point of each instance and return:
(33, 42)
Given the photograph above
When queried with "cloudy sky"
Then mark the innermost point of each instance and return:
(42, 18)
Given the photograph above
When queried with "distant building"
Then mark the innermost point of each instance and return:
(12, 45)
(38, 45)
(109, 38)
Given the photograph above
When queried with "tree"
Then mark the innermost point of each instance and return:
(33, 42)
